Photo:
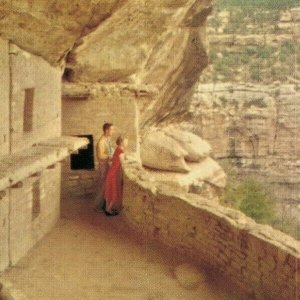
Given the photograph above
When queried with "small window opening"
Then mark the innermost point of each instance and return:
(28, 110)
(68, 75)
(84, 159)
(232, 147)
(36, 199)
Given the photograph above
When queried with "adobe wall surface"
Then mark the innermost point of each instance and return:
(4, 208)
(4, 97)
(106, 103)
(263, 262)
(32, 72)
(21, 226)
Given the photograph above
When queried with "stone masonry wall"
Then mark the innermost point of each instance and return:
(263, 262)
(105, 103)
(4, 97)
(27, 215)
(31, 72)
(4, 223)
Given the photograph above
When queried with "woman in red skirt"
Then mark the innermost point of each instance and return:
(113, 181)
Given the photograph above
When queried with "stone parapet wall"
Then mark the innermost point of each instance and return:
(263, 262)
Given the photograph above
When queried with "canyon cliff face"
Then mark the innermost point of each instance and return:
(246, 104)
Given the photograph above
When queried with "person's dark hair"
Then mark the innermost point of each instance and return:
(119, 140)
(106, 126)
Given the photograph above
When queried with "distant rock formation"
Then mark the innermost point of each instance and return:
(257, 127)
(247, 120)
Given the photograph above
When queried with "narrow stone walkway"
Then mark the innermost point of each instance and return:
(89, 256)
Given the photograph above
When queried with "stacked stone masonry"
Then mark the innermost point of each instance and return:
(31, 148)
(261, 261)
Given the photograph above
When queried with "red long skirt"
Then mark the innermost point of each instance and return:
(113, 183)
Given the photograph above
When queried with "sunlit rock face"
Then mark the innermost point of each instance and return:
(149, 42)
(181, 160)
(51, 28)
(160, 44)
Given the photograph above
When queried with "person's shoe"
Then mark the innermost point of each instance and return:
(111, 213)
(103, 206)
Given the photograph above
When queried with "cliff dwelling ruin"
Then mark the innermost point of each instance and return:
(67, 67)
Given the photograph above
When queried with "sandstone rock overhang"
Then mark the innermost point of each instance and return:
(150, 42)
(51, 28)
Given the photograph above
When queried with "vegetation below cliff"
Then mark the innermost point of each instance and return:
(257, 201)
(254, 41)
(270, 4)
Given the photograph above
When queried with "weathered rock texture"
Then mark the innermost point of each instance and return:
(255, 126)
(263, 262)
(174, 148)
(154, 52)
(51, 28)
(247, 120)
(146, 53)
(159, 44)
(182, 161)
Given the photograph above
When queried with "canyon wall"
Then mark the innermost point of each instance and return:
(247, 120)
(246, 102)
(256, 128)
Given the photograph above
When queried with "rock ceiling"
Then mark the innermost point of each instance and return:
(50, 28)
(153, 42)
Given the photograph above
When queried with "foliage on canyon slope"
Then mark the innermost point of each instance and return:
(258, 61)
(255, 200)
(258, 3)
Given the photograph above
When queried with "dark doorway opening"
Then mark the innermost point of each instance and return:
(84, 159)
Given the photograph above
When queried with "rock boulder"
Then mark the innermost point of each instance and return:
(195, 147)
(159, 151)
